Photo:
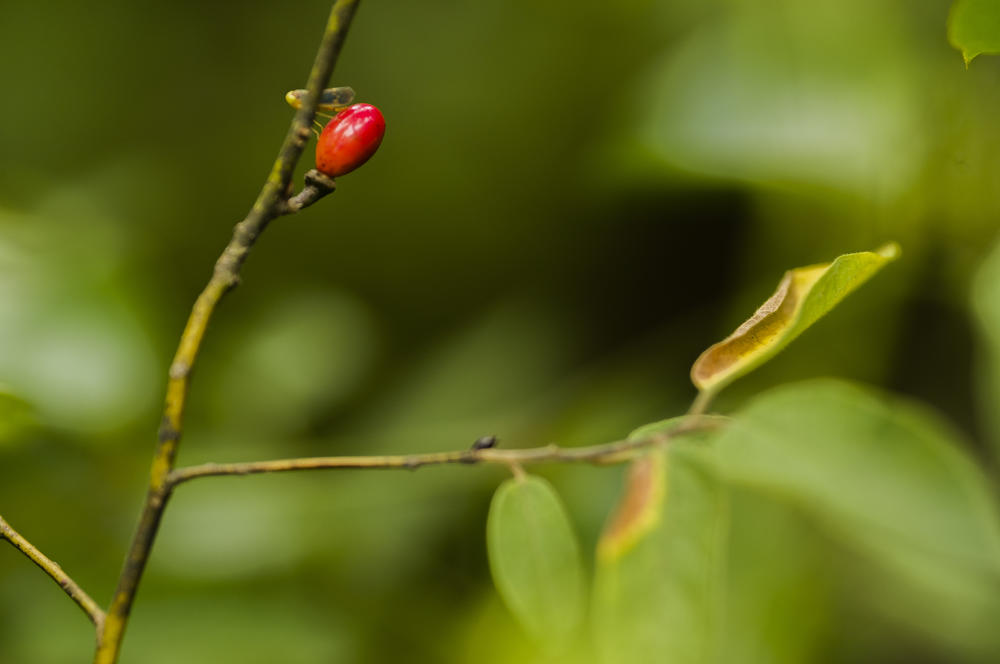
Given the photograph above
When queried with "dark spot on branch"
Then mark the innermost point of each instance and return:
(485, 442)
(168, 432)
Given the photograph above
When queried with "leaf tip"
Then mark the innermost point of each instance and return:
(890, 251)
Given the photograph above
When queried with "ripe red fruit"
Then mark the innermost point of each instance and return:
(349, 139)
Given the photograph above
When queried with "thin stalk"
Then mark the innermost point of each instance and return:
(273, 201)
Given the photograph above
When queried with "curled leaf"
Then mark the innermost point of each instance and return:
(804, 296)
(661, 564)
(640, 508)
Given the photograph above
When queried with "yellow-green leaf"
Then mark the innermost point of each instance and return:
(535, 559)
(804, 295)
(974, 27)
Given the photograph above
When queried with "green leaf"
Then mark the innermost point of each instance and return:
(535, 559)
(887, 479)
(781, 604)
(870, 463)
(657, 593)
(974, 27)
(804, 296)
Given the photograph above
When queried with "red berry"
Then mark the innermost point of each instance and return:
(349, 139)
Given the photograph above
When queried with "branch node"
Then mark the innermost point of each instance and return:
(315, 178)
(179, 370)
(168, 432)
(317, 186)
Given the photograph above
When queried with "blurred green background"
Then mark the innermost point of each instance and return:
(572, 200)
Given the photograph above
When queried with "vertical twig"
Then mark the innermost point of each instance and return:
(270, 203)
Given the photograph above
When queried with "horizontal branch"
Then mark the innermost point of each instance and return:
(56, 572)
(608, 453)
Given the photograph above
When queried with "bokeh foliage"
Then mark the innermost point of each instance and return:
(571, 202)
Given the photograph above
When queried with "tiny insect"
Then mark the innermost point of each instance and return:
(331, 100)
